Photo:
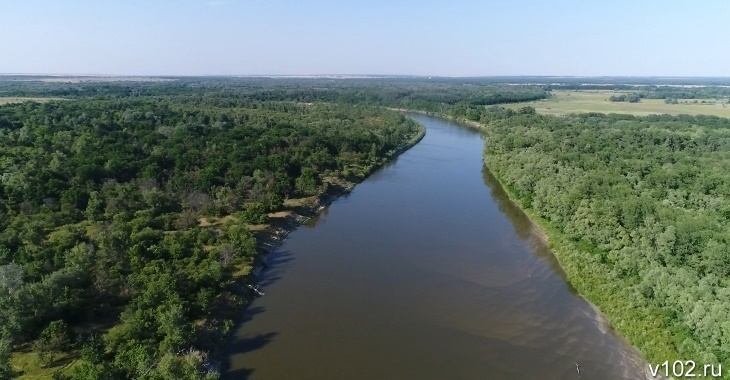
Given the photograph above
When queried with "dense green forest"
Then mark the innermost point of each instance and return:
(638, 210)
(105, 262)
(103, 259)
(415, 93)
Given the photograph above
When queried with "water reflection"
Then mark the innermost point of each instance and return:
(523, 226)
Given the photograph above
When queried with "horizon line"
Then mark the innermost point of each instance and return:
(356, 76)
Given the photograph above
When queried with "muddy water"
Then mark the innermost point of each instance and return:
(425, 271)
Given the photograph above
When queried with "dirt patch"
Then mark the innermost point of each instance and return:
(280, 214)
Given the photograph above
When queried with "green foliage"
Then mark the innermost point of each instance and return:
(241, 239)
(54, 338)
(187, 366)
(631, 98)
(308, 182)
(254, 213)
(527, 110)
(637, 208)
(431, 95)
(103, 201)
(93, 349)
(88, 371)
(6, 370)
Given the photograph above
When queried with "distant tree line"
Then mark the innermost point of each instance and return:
(416, 93)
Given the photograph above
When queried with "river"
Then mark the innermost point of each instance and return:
(425, 271)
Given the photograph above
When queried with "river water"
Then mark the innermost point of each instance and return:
(424, 271)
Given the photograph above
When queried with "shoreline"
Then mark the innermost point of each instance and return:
(466, 122)
(543, 231)
(279, 227)
(552, 239)
(277, 231)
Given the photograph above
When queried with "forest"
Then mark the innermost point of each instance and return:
(638, 212)
(411, 93)
(106, 269)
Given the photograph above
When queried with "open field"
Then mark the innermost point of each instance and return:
(7, 100)
(565, 102)
(91, 79)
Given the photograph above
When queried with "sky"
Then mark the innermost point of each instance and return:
(387, 37)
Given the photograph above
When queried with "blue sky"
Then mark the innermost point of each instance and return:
(449, 38)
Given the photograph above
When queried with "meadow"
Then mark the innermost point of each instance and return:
(12, 99)
(567, 102)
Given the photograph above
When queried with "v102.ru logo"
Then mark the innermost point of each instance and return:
(685, 368)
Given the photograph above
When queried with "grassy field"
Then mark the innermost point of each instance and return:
(565, 102)
(7, 100)
(28, 366)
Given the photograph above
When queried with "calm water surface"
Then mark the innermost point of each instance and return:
(425, 271)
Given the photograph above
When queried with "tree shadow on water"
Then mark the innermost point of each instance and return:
(275, 267)
(241, 343)
(250, 312)
(232, 367)
(252, 342)
(279, 258)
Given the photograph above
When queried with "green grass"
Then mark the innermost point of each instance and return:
(28, 367)
(566, 102)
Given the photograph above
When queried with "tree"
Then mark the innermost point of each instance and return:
(242, 240)
(6, 370)
(173, 327)
(88, 371)
(527, 110)
(189, 366)
(53, 340)
(101, 197)
(307, 183)
(638, 204)
(254, 213)
(11, 278)
(617, 98)
(93, 349)
(95, 206)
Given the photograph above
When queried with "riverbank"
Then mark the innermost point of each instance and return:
(590, 282)
(641, 327)
(298, 211)
(344, 296)
(469, 123)
(295, 213)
